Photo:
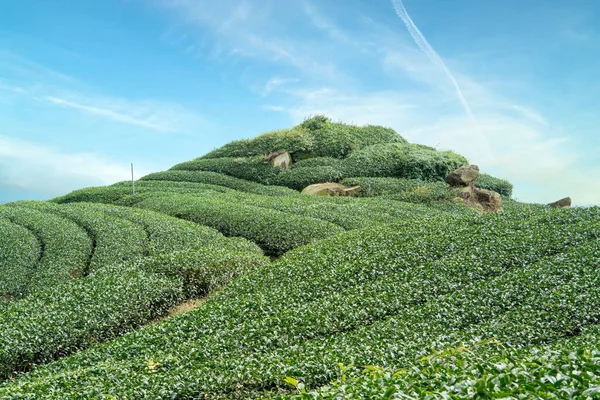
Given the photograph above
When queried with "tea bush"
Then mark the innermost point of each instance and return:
(255, 169)
(396, 186)
(485, 181)
(296, 140)
(317, 136)
(387, 296)
(274, 231)
(19, 253)
(214, 178)
(299, 178)
(188, 260)
(399, 160)
(116, 239)
(338, 139)
(319, 162)
(66, 247)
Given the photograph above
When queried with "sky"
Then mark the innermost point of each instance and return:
(87, 87)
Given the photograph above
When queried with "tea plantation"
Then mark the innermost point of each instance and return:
(398, 293)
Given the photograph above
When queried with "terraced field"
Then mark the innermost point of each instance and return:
(398, 293)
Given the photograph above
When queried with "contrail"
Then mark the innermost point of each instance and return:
(424, 45)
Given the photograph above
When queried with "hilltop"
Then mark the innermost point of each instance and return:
(399, 291)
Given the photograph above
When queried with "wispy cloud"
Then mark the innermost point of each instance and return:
(32, 166)
(157, 117)
(424, 45)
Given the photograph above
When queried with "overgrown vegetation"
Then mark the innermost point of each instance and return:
(502, 186)
(398, 293)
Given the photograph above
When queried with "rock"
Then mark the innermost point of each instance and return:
(281, 159)
(562, 203)
(463, 176)
(331, 189)
(489, 200)
(480, 199)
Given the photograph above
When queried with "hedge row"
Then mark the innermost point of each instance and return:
(409, 190)
(319, 162)
(110, 301)
(19, 253)
(167, 234)
(379, 296)
(349, 213)
(317, 136)
(66, 247)
(296, 140)
(116, 239)
(412, 161)
(485, 181)
(214, 178)
(484, 369)
(338, 139)
(399, 160)
(299, 178)
(274, 231)
(255, 169)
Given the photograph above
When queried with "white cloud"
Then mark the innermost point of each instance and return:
(157, 116)
(511, 139)
(32, 166)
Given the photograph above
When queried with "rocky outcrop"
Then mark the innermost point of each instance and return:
(462, 182)
(331, 189)
(281, 159)
(463, 176)
(562, 203)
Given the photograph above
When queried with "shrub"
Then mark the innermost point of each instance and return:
(485, 181)
(65, 318)
(205, 270)
(274, 231)
(214, 178)
(318, 162)
(300, 178)
(66, 247)
(116, 239)
(402, 161)
(19, 253)
(296, 140)
(338, 140)
(378, 296)
(255, 169)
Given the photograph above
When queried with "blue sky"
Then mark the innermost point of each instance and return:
(86, 87)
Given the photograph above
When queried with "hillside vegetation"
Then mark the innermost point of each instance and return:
(398, 293)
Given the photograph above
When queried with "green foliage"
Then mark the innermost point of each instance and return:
(296, 140)
(205, 270)
(299, 178)
(255, 169)
(411, 190)
(319, 162)
(338, 139)
(274, 231)
(116, 239)
(214, 178)
(69, 317)
(19, 253)
(485, 181)
(316, 136)
(404, 296)
(66, 247)
(188, 260)
(399, 160)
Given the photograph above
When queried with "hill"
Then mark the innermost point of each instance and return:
(400, 292)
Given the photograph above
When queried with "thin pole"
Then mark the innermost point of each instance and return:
(132, 181)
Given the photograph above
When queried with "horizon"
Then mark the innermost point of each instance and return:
(89, 87)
